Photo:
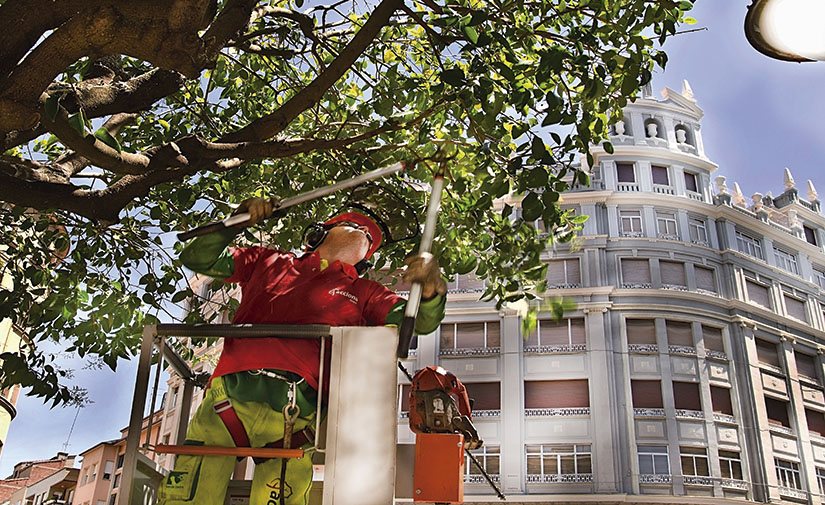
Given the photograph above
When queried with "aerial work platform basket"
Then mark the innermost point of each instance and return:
(362, 419)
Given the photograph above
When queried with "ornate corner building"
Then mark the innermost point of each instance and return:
(11, 338)
(692, 366)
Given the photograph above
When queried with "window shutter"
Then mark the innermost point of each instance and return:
(767, 353)
(624, 172)
(574, 275)
(556, 394)
(713, 338)
(720, 398)
(555, 273)
(470, 282)
(485, 395)
(758, 294)
(405, 398)
(635, 271)
(646, 394)
(554, 333)
(679, 333)
(447, 339)
(806, 365)
(673, 273)
(795, 308)
(686, 396)
(641, 331)
(704, 278)
(660, 175)
(533, 337)
(816, 421)
(577, 333)
(493, 334)
(777, 412)
(469, 335)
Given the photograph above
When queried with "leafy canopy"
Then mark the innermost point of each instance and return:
(121, 122)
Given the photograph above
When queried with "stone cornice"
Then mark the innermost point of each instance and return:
(647, 152)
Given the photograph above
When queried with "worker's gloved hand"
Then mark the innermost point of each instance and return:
(423, 268)
(258, 209)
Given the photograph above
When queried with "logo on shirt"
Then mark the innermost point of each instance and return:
(351, 297)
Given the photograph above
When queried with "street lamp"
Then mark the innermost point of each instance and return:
(789, 30)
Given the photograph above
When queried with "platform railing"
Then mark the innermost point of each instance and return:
(362, 360)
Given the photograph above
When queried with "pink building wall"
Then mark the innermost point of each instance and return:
(96, 473)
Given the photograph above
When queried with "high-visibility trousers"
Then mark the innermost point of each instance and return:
(203, 480)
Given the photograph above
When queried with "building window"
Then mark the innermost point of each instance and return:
(547, 463)
(810, 235)
(705, 279)
(720, 398)
(679, 333)
(698, 231)
(673, 275)
(93, 473)
(788, 474)
(646, 394)
(712, 338)
(686, 396)
(564, 273)
(749, 245)
(758, 293)
(694, 461)
(484, 395)
(467, 283)
(767, 353)
(777, 411)
(113, 499)
(653, 460)
(690, 182)
(556, 394)
(173, 398)
(795, 307)
(666, 225)
(565, 335)
(635, 273)
(820, 479)
(819, 277)
(456, 338)
(107, 470)
(116, 481)
(806, 366)
(640, 332)
(660, 175)
(816, 422)
(731, 465)
(786, 261)
(490, 459)
(625, 172)
(631, 221)
(119, 460)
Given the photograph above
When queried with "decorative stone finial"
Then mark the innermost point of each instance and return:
(738, 196)
(789, 182)
(687, 91)
(793, 219)
(757, 201)
(619, 127)
(721, 187)
(812, 195)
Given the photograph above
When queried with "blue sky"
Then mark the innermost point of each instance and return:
(761, 116)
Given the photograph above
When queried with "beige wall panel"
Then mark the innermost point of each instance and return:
(488, 430)
(773, 384)
(718, 371)
(469, 367)
(727, 435)
(549, 366)
(644, 364)
(562, 429)
(813, 395)
(646, 429)
(784, 445)
(819, 452)
(691, 431)
(683, 367)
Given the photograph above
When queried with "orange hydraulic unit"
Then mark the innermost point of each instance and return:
(439, 468)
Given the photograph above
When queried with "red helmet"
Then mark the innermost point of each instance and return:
(361, 219)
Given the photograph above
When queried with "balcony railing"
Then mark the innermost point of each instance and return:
(551, 349)
(734, 484)
(681, 349)
(479, 479)
(470, 351)
(558, 412)
(643, 348)
(790, 492)
(689, 414)
(628, 186)
(655, 478)
(648, 412)
(664, 189)
(694, 196)
(724, 418)
(698, 480)
(556, 478)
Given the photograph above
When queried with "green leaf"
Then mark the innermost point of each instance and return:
(52, 105)
(78, 122)
(103, 135)
(454, 77)
(538, 148)
(690, 20)
(471, 33)
(608, 147)
(531, 207)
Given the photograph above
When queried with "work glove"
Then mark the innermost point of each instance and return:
(258, 209)
(423, 268)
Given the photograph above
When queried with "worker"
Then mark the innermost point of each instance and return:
(255, 378)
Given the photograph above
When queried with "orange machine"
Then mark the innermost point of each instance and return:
(439, 468)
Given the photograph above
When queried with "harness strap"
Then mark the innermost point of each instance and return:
(233, 423)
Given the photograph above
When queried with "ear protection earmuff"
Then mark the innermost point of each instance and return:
(314, 236)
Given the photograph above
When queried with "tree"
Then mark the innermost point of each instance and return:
(123, 121)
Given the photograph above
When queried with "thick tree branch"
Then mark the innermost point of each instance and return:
(273, 124)
(232, 20)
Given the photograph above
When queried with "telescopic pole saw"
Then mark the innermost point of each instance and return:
(295, 200)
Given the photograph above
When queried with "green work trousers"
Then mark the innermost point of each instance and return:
(203, 480)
